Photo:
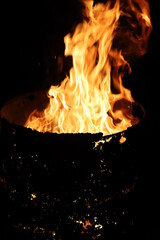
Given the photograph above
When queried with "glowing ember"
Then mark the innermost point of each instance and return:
(92, 98)
(122, 139)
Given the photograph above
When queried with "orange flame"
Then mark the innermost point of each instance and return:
(92, 98)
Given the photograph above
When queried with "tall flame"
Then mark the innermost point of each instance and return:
(92, 98)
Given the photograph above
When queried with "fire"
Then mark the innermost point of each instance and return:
(92, 98)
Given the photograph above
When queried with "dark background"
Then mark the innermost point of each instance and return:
(32, 34)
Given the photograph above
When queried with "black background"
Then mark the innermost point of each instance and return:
(32, 34)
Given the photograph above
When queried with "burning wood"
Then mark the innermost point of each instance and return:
(100, 46)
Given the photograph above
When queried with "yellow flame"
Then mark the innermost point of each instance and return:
(85, 101)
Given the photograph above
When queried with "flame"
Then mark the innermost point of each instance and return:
(92, 98)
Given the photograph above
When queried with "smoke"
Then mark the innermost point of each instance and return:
(134, 28)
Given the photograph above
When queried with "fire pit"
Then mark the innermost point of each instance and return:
(67, 186)
(70, 155)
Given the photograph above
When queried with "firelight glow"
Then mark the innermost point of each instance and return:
(92, 98)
